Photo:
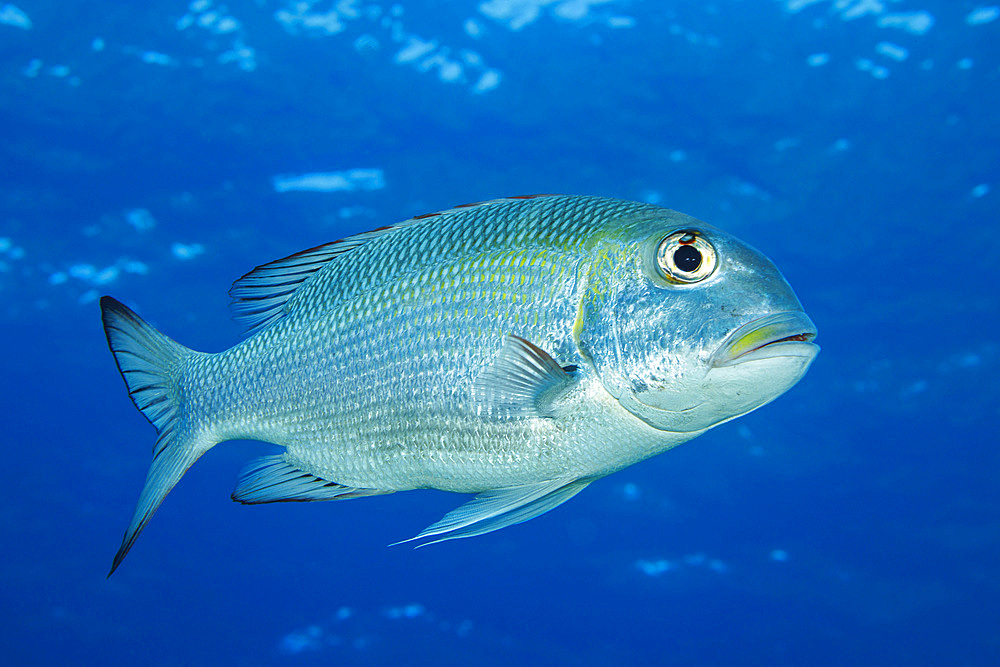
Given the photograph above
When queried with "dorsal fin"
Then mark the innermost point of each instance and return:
(259, 297)
(464, 207)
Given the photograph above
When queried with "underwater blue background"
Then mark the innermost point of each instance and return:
(153, 151)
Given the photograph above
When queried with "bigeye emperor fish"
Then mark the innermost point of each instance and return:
(516, 349)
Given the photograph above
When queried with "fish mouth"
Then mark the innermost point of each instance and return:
(788, 334)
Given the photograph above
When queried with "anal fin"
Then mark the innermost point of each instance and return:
(499, 508)
(271, 479)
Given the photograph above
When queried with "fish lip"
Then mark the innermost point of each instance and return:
(785, 334)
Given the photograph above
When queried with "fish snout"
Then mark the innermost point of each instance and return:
(785, 334)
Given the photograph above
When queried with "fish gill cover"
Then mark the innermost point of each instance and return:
(161, 151)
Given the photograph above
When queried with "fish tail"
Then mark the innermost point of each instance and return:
(152, 366)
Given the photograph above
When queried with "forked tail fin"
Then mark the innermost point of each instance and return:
(152, 366)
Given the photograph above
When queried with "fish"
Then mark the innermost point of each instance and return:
(516, 349)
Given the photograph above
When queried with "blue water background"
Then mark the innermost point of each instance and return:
(856, 520)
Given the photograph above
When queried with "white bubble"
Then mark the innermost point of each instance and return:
(12, 16)
(489, 80)
(746, 189)
(651, 197)
(186, 251)
(969, 359)
(82, 271)
(407, 611)
(450, 71)
(141, 219)
(156, 58)
(695, 559)
(916, 387)
(107, 275)
(89, 296)
(716, 565)
(348, 212)
(794, 6)
(473, 28)
(514, 14)
(32, 69)
(982, 15)
(866, 65)
(786, 143)
(818, 59)
(471, 58)
(329, 23)
(299, 642)
(894, 51)
(226, 24)
(415, 49)
(859, 8)
(840, 145)
(135, 266)
(621, 22)
(331, 181)
(917, 23)
(572, 10)
(243, 56)
(366, 44)
(207, 19)
(654, 568)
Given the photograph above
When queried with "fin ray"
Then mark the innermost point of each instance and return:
(151, 365)
(271, 479)
(500, 508)
(523, 381)
(259, 297)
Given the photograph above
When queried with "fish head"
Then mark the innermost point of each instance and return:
(687, 326)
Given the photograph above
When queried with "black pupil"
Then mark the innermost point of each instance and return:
(687, 258)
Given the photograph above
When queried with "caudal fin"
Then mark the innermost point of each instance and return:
(152, 366)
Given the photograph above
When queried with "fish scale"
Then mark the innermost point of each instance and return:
(510, 349)
(419, 362)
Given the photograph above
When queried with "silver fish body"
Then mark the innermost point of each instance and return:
(517, 349)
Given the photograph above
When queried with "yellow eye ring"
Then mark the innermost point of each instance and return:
(685, 257)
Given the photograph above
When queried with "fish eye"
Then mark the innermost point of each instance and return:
(685, 257)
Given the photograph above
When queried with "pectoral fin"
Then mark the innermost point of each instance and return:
(499, 508)
(523, 381)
